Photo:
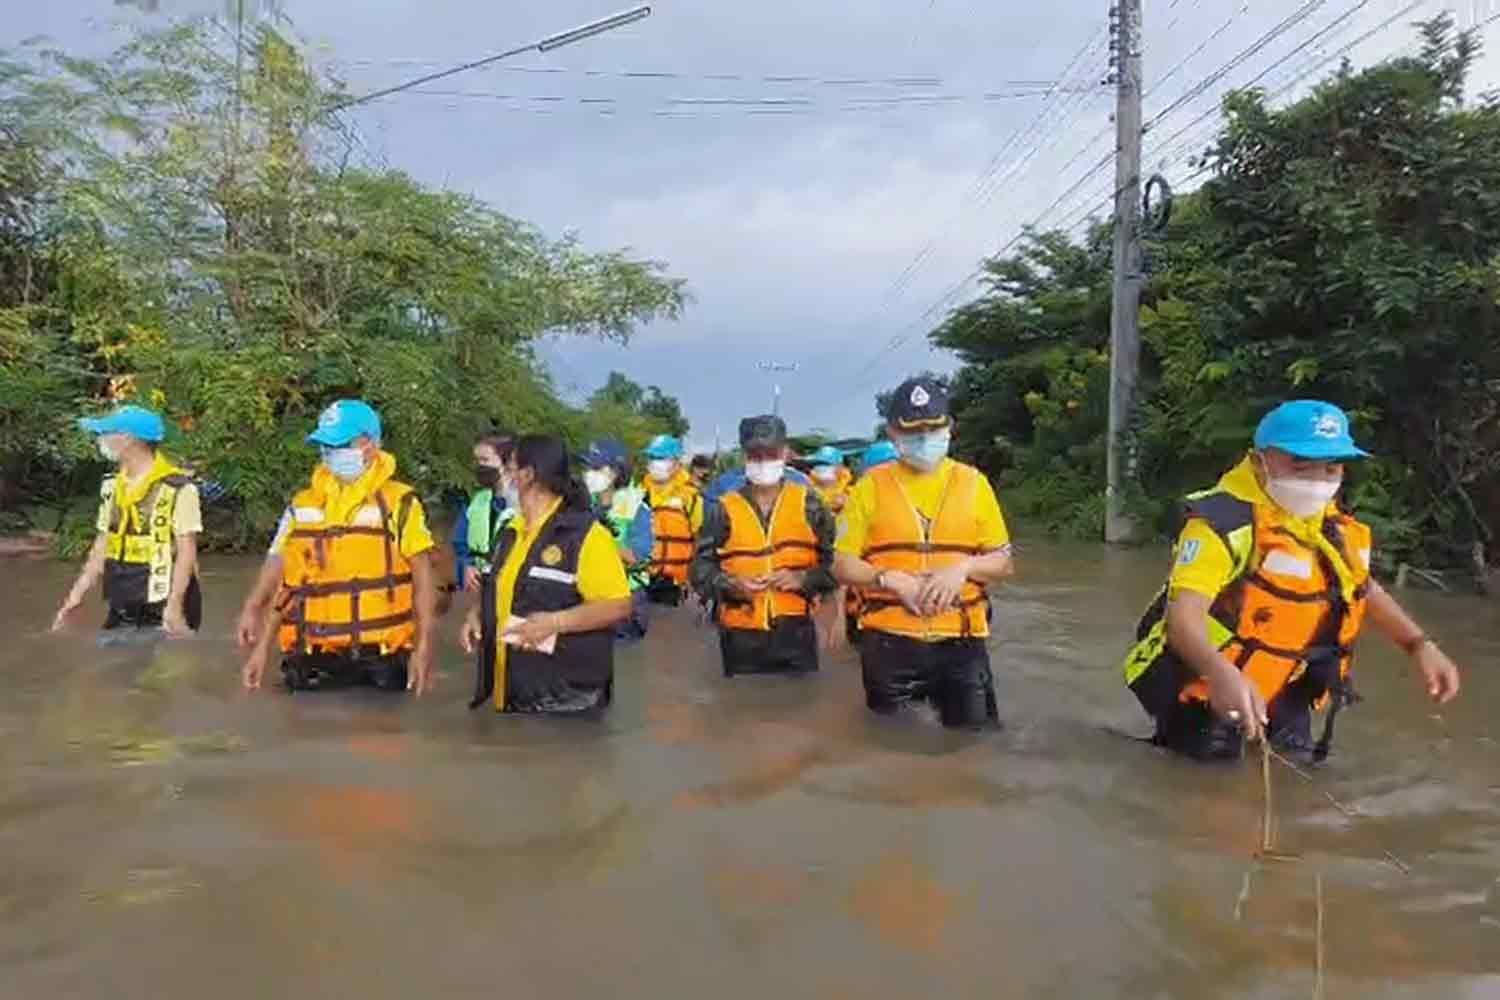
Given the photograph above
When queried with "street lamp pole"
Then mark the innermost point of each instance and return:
(772, 367)
(547, 44)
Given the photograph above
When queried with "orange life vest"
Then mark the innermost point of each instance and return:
(749, 552)
(1287, 606)
(673, 505)
(345, 583)
(900, 538)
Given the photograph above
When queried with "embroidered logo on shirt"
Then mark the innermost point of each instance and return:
(552, 555)
(1189, 551)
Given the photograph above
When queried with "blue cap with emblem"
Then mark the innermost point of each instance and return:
(137, 421)
(345, 420)
(827, 455)
(1311, 429)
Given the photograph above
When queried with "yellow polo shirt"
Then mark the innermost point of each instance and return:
(601, 577)
(925, 491)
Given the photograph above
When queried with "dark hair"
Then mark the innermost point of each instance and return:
(701, 462)
(499, 442)
(547, 456)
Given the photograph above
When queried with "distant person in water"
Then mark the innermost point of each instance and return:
(348, 592)
(146, 549)
(1269, 589)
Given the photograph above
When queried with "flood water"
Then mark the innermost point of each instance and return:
(165, 835)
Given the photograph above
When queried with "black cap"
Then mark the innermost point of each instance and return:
(762, 432)
(919, 404)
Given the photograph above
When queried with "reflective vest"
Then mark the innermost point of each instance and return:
(900, 538)
(140, 545)
(547, 582)
(484, 529)
(750, 552)
(619, 518)
(347, 585)
(835, 494)
(1289, 613)
(673, 505)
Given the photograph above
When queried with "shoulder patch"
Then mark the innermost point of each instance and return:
(1189, 552)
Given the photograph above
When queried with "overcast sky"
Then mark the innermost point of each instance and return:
(826, 220)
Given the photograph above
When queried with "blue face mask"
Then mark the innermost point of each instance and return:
(346, 464)
(924, 452)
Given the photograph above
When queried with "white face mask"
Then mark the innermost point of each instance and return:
(661, 469)
(510, 494)
(765, 473)
(597, 481)
(825, 473)
(1302, 497)
(108, 452)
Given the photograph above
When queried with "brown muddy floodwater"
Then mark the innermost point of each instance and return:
(165, 836)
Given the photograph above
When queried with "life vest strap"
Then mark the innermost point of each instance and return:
(355, 586)
(922, 548)
(326, 630)
(337, 531)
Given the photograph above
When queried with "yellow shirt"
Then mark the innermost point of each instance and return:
(187, 515)
(680, 486)
(601, 577)
(925, 490)
(345, 507)
(1201, 562)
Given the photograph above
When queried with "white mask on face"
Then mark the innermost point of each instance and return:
(825, 473)
(765, 473)
(596, 481)
(661, 469)
(1302, 497)
(108, 452)
(509, 493)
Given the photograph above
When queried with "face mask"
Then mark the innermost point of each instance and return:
(825, 473)
(346, 464)
(661, 470)
(108, 452)
(597, 481)
(487, 475)
(765, 473)
(1302, 497)
(924, 452)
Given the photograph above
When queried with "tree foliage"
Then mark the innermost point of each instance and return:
(1347, 247)
(206, 241)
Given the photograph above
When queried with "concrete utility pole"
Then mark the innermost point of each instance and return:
(773, 367)
(1125, 311)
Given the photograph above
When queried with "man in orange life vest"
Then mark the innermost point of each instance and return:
(1269, 588)
(922, 538)
(676, 516)
(764, 556)
(349, 589)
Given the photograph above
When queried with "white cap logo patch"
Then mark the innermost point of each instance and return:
(1328, 426)
(330, 416)
(919, 397)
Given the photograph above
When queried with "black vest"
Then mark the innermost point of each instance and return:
(548, 582)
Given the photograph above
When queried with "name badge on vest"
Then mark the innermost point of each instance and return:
(308, 515)
(1287, 564)
(554, 575)
(368, 517)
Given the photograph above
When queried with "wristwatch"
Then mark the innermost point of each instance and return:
(880, 580)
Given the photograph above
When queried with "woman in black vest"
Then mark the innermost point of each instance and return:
(546, 617)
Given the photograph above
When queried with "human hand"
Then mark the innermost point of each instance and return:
(70, 605)
(469, 633)
(174, 623)
(1439, 673)
(907, 588)
(1231, 694)
(530, 633)
(254, 668)
(940, 590)
(419, 676)
(791, 580)
(472, 580)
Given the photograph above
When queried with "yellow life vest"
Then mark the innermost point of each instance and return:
(900, 539)
(751, 552)
(140, 544)
(344, 581)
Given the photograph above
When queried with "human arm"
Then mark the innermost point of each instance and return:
(602, 586)
(991, 564)
(707, 574)
(184, 567)
(88, 576)
(253, 612)
(425, 616)
(849, 565)
(1439, 674)
(817, 579)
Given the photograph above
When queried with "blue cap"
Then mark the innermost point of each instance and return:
(878, 453)
(827, 455)
(605, 453)
(136, 421)
(1309, 428)
(664, 446)
(344, 421)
